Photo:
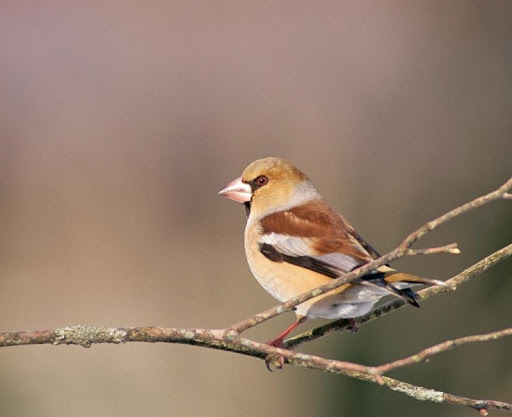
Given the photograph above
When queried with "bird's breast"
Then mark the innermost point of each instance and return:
(282, 280)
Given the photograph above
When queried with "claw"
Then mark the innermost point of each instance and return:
(274, 362)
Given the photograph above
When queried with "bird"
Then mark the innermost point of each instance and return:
(295, 242)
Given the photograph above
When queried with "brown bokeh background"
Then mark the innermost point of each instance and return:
(120, 121)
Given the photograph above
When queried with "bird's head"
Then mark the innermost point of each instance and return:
(269, 185)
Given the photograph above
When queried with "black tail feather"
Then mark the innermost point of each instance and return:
(406, 294)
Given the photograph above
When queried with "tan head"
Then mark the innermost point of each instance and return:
(269, 185)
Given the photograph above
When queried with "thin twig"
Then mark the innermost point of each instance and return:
(441, 347)
(451, 249)
(500, 193)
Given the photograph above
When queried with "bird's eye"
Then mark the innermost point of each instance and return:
(261, 180)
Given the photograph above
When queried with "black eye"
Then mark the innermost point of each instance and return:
(261, 180)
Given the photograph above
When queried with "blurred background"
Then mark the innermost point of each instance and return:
(120, 122)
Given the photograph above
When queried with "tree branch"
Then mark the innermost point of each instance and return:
(86, 336)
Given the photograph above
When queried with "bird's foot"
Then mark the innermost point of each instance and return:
(275, 361)
(353, 326)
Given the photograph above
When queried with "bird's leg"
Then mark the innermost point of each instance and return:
(278, 341)
(276, 360)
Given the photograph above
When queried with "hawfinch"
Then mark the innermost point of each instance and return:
(295, 241)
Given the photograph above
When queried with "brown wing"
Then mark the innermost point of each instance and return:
(316, 237)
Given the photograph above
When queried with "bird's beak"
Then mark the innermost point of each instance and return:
(237, 190)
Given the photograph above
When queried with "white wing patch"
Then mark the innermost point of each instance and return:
(303, 246)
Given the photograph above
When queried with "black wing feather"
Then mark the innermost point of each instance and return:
(307, 262)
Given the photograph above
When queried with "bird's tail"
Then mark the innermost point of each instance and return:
(398, 283)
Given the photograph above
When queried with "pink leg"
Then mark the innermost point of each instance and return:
(278, 341)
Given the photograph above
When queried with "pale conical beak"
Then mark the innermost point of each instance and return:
(237, 190)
